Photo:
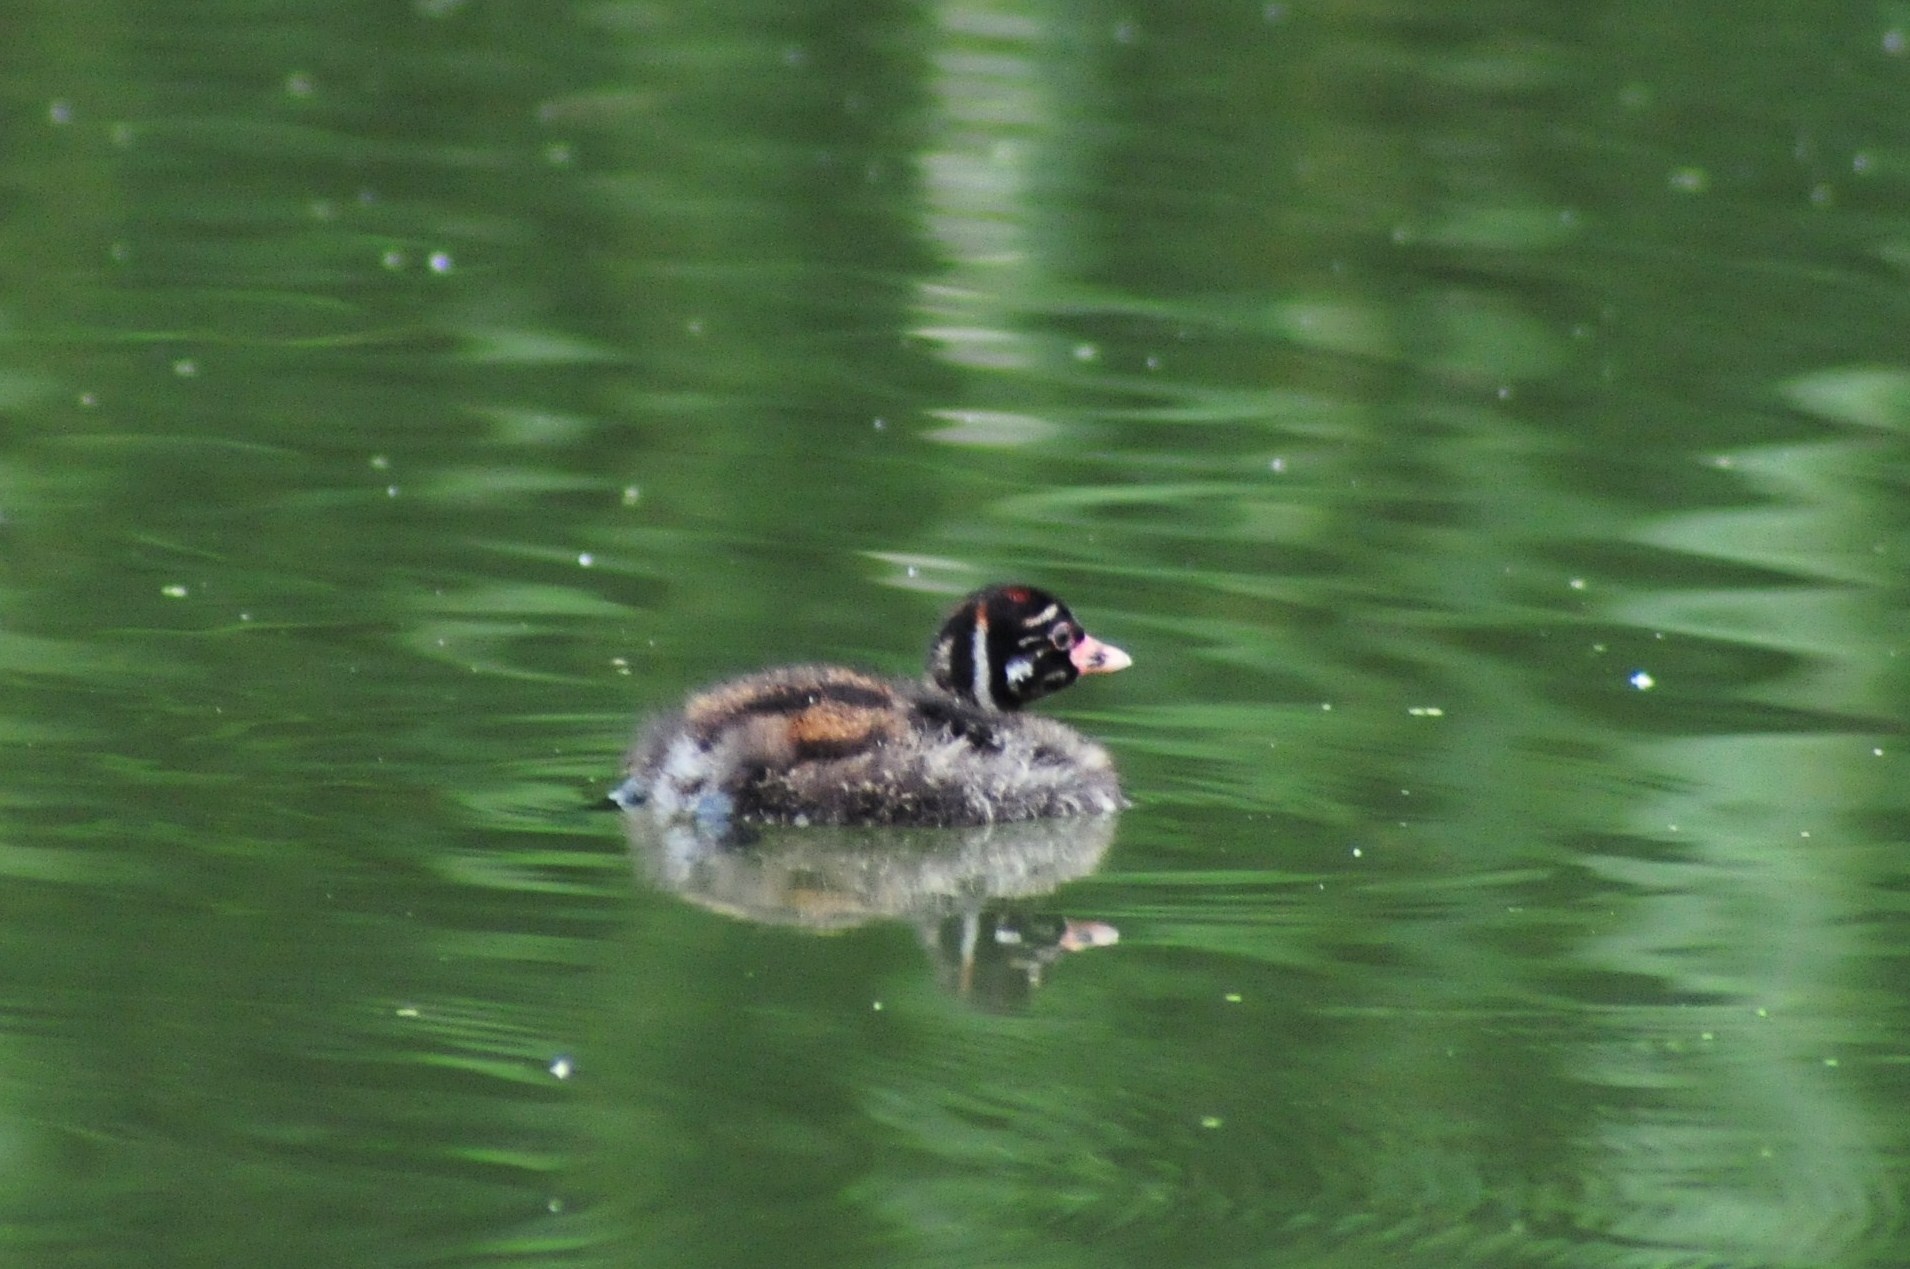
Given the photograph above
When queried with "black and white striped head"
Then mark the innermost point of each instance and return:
(1008, 645)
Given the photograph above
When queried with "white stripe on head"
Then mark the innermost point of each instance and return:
(978, 655)
(1043, 617)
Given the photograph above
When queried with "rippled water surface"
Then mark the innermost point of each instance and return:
(1483, 424)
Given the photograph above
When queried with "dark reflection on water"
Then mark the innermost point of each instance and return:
(968, 892)
(1483, 425)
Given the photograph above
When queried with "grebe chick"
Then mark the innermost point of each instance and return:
(823, 744)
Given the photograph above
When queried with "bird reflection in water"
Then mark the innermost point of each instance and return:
(971, 893)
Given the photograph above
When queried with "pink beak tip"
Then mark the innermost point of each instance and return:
(1091, 656)
(1081, 935)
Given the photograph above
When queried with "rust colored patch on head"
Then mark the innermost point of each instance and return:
(1016, 594)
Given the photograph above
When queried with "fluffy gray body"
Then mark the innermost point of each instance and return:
(826, 745)
(821, 744)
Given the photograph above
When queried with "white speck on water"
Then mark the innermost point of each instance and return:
(1086, 352)
(1642, 681)
(440, 261)
(1577, 583)
(585, 559)
(300, 84)
(60, 111)
(393, 259)
(1690, 180)
(1278, 466)
(185, 368)
(174, 590)
(632, 495)
(563, 1066)
(380, 462)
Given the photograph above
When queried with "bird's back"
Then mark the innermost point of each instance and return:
(831, 745)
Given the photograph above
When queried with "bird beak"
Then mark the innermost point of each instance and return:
(1079, 936)
(1091, 656)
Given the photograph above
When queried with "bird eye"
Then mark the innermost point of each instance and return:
(1063, 637)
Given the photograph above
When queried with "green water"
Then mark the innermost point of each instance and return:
(1484, 425)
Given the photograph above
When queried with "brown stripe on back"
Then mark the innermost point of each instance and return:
(786, 691)
(835, 729)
